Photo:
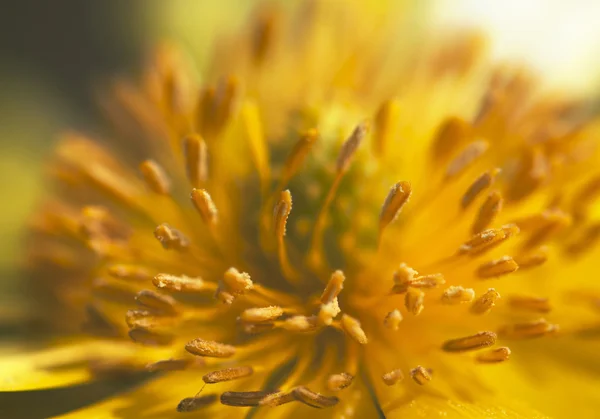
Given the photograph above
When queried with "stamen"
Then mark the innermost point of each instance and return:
(237, 282)
(428, 281)
(150, 337)
(466, 157)
(395, 200)
(494, 355)
(205, 206)
(196, 159)
(479, 185)
(299, 323)
(297, 156)
(277, 399)
(224, 296)
(488, 212)
(352, 327)
(281, 213)
(392, 320)
(191, 404)
(532, 259)
(334, 287)
(393, 377)
(155, 177)
(227, 374)
(414, 301)
(328, 312)
(485, 303)
(209, 348)
(470, 343)
(350, 146)
(178, 283)
(555, 221)
(155, 301)
(262, 314)
(527, 330)
(498, 267)
(136, 273)
(487, 239)
(536, 304)
(171, 238)
(585, 241)
(312, 399)
(169, 365)
(244, 398)
(384, 125)
(458, 295)
(421, 375)
(146, 319)
(337, 382)
(450, 134)
(403, 278)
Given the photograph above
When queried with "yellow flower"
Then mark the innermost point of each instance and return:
(335, 222)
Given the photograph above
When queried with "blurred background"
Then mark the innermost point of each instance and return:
(54, 53)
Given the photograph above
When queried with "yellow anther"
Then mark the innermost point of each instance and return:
(237, 282)
(299, 324)
(334, 287)
(261, 314)
(470, 343)
(451, 134)
(191, 404)
(169, 365)
(196, 159)
(328, 312)
(337, 382)
(281, 213)
(353, 329)
(150, 337)
(403, 278)
(428, 281)
(479, 185)
(466, 157)
(458, 295)
(312, 399)
(277, 399)
(393, 377)
(178, 283)
(421, 375)
(384, 126)
(533, 258)
(155, 177)
(392, 320)
(136, 273)
(488, 239)
(350, 146)
(209, 348)
(205, 206)
(488, 212)
(298, 155)
(155, 301)
(414, 300)
(171, 238)
(527, 303)
(244, 398)
(395, 200)
(498, 267)
(227, 374)
(527, 330)
(494, 355)
(484, 304)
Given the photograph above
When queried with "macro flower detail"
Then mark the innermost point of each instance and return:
(323, 226)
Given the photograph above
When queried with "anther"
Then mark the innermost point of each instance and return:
(466, 157)
(157, 302)
(298, 154)
(498, 267)
(299, 324)
(155, 177)
(350, 146)
(132, 272)
(458, 295)
(484, 304)
(334, 287)
(146, 318)
(261, 314)
(403, 278)
(171, 238)
(414, 301)
(428, 281)
(328, 312)
(392, 377)
(277, 399)
(196, 159)
(237, 282)
(470, 343)
(169, 365)
(384, 125)
(533, 258)
(312, 399)
(244, 398)
(479, 185)
(191, 404)
(353, 329)
(392, 320)
(209, 348)
(527, 303)
(395, 200)
(150, 337)
(178, 283)
(528, 330)
(494, 355)
(488, 212)
(227, 374)
(421, 375)
(281, 213)
(205, 206)
(337, 382)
